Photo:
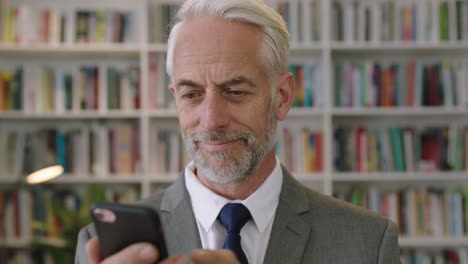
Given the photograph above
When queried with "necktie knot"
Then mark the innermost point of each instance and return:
(234, 216)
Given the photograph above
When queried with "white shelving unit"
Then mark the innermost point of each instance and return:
(325, 51)
(433, 242)
(400, 176)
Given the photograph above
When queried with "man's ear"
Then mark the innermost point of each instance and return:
(171, 88)
(285, 92)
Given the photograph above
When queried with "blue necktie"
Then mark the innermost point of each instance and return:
(234, 216)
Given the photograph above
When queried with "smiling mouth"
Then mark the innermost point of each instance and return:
(218, 145)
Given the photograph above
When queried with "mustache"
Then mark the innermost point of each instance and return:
(222, 135)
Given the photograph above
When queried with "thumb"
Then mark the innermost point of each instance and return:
(204, 256)
(139, 253)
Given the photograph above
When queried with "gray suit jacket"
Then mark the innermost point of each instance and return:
(309, 227)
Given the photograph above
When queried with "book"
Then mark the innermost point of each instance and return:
(418, 211)
(155, 18)
(113, 87)
(309, 85)
(431, 145)
(412, 83)
(443, 21)
(104, 26)
(408, 144)
(123, 149)
(300, 148)
(416, 21)
(397, 148)
(11, 142)
(400, 148)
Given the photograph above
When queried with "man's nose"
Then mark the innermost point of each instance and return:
(214, 113)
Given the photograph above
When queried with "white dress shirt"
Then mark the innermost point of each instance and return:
(262, 206)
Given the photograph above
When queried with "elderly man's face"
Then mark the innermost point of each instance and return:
(223, 97)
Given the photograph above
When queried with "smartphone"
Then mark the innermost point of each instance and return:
(119, 226)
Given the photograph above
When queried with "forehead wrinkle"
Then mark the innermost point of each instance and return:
(186, 82)
(237, 80)
(197, 57)
(219, 73)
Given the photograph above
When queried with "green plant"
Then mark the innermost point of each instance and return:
(70, 222)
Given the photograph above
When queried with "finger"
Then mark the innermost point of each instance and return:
(93, 250)
(139, 253)
(179, 259)
(203, 256)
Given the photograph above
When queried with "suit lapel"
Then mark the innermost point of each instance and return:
(289, 233)
(179, 220)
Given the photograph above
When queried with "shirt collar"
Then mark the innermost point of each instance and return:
(262, 203)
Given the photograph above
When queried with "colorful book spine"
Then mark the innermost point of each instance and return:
(309, 85)
(416, 21)
(301, 149)
(418, 211)
(401, 149)
(401, 84)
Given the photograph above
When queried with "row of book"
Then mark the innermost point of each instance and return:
(14, 256)
(389, 20)
(28, 24)
(437, 256)
(418, 211)
(123, 88)
(303, 19)
(50, 146)
(167, 151)
(411, 83)
(57, 88)
(159, 95)
(161, 17)
(13, 144)
(124, 154)
(96, 149)
(401, 149)
(300, 149)
(35, 149)
(105, 26)
(11, 97)
(113, 148)
(23, 24)
(20, 257)
(28, 214)
(308, 79)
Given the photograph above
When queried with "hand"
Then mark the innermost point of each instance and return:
(145, 253)
(204, 256)
(139, 253)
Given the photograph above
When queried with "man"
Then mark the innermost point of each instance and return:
(227, 63)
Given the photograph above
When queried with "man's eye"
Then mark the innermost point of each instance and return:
(190, 96)
(236, 92)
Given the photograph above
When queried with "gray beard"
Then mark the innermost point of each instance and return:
(222, 166)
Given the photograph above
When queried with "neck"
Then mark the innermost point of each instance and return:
(243, 189)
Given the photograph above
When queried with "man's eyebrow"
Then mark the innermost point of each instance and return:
(186, 82)
(233, 81)
(236, 81)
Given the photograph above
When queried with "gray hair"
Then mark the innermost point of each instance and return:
(275, 40)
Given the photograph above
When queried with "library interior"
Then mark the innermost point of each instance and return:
(379, 118)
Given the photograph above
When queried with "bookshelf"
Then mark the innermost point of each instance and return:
(315, 27)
